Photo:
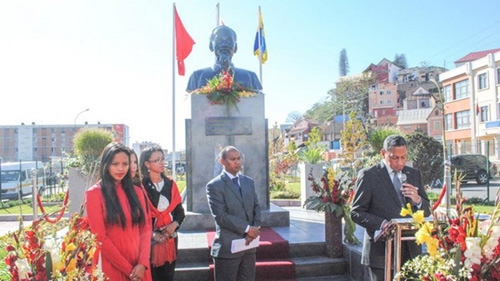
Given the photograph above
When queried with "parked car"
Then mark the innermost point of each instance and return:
(472, 167)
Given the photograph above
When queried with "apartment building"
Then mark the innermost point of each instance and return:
(472, 110)
(30, 142)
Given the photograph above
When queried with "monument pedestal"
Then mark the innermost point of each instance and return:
(213, 127)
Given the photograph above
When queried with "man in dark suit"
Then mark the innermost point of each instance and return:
(233, 203)
(380, 195)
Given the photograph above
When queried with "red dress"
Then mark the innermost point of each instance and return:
(121, 248)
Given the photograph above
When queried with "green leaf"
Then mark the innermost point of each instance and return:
(48, 265)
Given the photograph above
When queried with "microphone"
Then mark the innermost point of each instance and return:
(402, 177)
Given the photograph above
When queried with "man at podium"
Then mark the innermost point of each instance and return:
(381, 191)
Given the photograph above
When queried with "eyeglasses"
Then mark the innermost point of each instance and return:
(156, 161)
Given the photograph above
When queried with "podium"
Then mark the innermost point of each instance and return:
(398, 230)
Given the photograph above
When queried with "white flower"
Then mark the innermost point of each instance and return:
(491, 243)
(23, 268)
(473, 252)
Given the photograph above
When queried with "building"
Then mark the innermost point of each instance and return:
(43, 142)
(472, 112)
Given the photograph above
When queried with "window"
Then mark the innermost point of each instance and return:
(462, 89)
(447, 93)
(447, 125)
(381, 102)
(437, 125)
(462, 119)
(389, 101)
(498, 75)
(485, 114)
(482, 81)
(389, 92)
(381, 93)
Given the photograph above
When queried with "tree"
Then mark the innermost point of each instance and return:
(343, 63)
(89, 144)
(293, 117)
(426, 154)
(352, 94)
(400, 60)
(322, 111)
(353, 141)
(377, 137)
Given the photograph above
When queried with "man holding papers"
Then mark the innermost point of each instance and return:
(233, 203)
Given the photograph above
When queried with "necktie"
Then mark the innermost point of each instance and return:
(397, 186)
(236, 184)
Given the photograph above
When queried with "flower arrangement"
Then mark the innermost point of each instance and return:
(222, 89)
(461, 248)
(334, 194)
(41, 252)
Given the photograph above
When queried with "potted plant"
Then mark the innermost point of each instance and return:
(335, 189)
(311, 157)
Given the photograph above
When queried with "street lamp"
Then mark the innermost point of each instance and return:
(79, 113)
(439, 99)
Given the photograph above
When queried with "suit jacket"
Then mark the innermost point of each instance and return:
(376, 200)
(232, 212)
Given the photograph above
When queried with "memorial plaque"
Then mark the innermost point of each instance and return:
(228, 126)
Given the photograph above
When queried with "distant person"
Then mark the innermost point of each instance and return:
(166, 210)
(223, 44)
(134, 169)
(116, 214)
(380, 194)
(233, 203)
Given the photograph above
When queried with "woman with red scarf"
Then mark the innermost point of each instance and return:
(165, 207)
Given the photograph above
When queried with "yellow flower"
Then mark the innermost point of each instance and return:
(418, 216)
(72, 265)
(70, 247)
(423, 235)
(432, 247)
(406, 211)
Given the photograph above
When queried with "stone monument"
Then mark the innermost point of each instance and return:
(213, 126)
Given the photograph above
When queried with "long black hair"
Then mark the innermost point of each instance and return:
(114, 211)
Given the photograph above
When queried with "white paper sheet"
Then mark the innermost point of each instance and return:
(238, 245)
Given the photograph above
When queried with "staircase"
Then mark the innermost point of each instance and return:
(311, 264)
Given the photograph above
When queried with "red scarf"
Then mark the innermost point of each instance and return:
(164, 252)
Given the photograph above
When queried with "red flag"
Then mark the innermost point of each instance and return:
(478, 110)
(183, 43)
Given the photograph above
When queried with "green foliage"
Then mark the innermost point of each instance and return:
(427, 156)
(284, 194)
(378, 135)
(89, 144)
(313, 152)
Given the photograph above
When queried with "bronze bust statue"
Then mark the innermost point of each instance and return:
(223, 44)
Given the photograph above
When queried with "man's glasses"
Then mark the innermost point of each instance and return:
(156, 161)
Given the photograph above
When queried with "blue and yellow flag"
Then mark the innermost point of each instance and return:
(260, 40)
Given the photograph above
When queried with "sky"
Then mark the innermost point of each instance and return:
(114, 57)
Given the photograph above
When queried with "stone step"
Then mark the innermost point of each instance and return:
(305, 267)
(327, 278)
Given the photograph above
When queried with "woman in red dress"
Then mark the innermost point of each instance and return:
(116, 214)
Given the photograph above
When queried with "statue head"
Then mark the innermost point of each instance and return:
(223, 44)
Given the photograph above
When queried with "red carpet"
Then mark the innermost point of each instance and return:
(272, 257)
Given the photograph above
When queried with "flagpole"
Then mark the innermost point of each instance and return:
(217, 15)
(260, 48)
(173, 91)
